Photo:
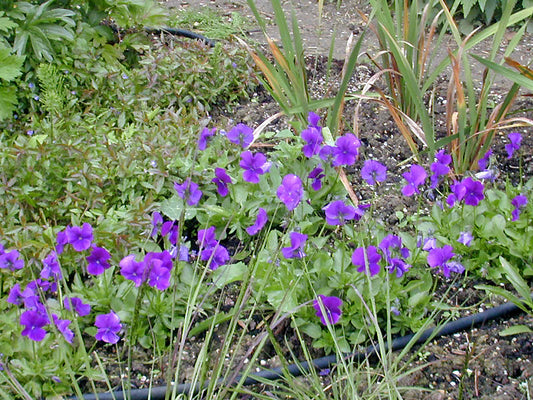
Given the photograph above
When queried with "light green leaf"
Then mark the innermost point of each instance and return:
(228, 274)
(8, 100)
(35, 140)
(10, 65)
(516, 330)
(6, 24)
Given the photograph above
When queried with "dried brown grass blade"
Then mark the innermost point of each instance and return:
(348, 186)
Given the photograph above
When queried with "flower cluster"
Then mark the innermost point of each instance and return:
(36, 313)
(367, 259)
(468, 190)
(440, 167)
(439, 257)
(211, 250)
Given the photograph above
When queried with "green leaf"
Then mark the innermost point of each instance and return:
(36, 140)
(516, 280)
(515, 330)
(6, 24)
(516, 77)
(8, 100)
(228, 274)
(10, 65)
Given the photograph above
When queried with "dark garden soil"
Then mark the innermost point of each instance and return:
(478, 363)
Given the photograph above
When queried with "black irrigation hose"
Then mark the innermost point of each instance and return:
(157, 393)
(176, 32)
(181, 32)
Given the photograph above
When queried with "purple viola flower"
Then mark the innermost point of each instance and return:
(313, 138)
(242, 135)
(337, 213)
(46, 285)
(15, 296)
(166, 227)
(206, 237)
(518, 202)
(489, 174)
(291, 191)
(77, 304)
(390, 245)
(98, 261)
(473, 191)
(346, 150)
(182, 252)
(440, 257)
(33, 303)
(465, 238)
(159, 275)
(108, 326)
(295, 250)
(157, 222)
(132, 270)
(515, 138)
(373, 171)
(61, 241)
(164, 257)
(366, 262)
(313, 118)
(62, 327)
(33, 322)
(327, 153)
(316, 175)
(11, 260)
(415, 177)
(483, 162)
(205, 137)
(173, 234)
(51, 267)
(221, 179)
(259, 223)
(429, 244)
(469, 190)
(189, 192)
(331, 305)
(218, 255)
(253, 166)
(440, 167)
(80, 238)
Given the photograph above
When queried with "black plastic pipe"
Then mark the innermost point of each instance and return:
(176, 32)
(182, 32)
(462, 324)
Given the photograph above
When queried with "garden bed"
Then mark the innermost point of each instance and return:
(263, 328)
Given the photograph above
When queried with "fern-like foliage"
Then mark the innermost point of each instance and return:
(53, 91)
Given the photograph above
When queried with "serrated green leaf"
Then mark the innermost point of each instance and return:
(6, 24)
(10, 65)
(8, 100)
(516, 330)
